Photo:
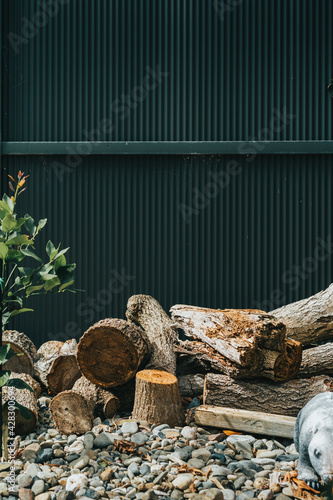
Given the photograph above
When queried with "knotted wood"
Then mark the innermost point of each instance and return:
(19, 343)
(241, 343)
(111, 351)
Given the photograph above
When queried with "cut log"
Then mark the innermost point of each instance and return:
(56, 365)
(317, 361)
(309, 320)
(25, 398)
(157, 398)
(20, 343)
(73, 411)
(191, 385)
(245, 343)
(253, 422)
(287, 398)
(111, 351)
(160, 332)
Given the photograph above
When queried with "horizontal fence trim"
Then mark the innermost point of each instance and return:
(84, 148)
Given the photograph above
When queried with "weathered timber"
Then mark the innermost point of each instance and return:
(157, 398)
(253, 422)
(287, 398)
(73, 411)
(309, 320)
(25, 398)
(20, 344)
(56, 365)
(191, 385)
(111, 351)
(160, 332)
(317, 361)
(243, 343)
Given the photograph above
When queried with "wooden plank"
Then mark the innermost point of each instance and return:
(254, 422)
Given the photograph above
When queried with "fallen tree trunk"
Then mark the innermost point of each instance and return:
(56, 365)
(111, 351)
(317, 361)
(24, 397)
(20, 343)
(159, 330)
(245, 343)
(74, 411)
(157, 398)
(287, 398)
(309, 320)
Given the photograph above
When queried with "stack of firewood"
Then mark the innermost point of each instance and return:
(240, 359)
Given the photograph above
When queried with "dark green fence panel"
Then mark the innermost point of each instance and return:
(219, 231)
(167, 70)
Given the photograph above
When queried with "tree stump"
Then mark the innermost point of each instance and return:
(74, 411)
(25, 398)
(20, 343)
(157, 398)
(56, 365)
(111, 351)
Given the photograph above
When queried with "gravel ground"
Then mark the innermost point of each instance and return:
(154, 462)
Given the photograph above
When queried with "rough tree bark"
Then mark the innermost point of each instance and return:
(20, 343)
(309, 320)
(74, 411)
(287, 398)
(157, 398)
(250, 340)
(317, 361)
(161, 335)
(27, 399)
(56, 365)
(111, 351)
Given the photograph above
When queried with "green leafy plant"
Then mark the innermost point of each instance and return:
(17, 239)
(5, 381)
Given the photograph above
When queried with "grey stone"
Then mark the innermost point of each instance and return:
(238, 483)
(38, 487)
(134, 468)
(212, 493)
(81, 462)
(229, 494)
(183, 481)
(104, 439)
(24, 480)
(139, 438)
(189, 432)
(44, 455)
(202, 454)
(129, 428)
(160, 428)
(71, 439)
(282, 496)
(88, 440)
(196, 463)
(144, 469)
(287, 458)
(265, 495)
(246, 495)
(234, 438)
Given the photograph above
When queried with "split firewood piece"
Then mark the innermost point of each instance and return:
(56, 365)
(145, 311)
(253, 342)
(309, 320)
(74, 411)
(111, 351)
(20, 343)
(317, 361)
(26, 398)
(157, 398)
(287, 398)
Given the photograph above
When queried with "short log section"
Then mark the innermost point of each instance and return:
(20, 344)
(157, 398)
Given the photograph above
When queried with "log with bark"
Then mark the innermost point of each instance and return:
(317, 361)
(73, 411)
(56, 365)
(21, 344)
(25, 398)
(160, 332)
(287, 398)
(309, 320)
(157, 398)
(111, 351)
(248, 343)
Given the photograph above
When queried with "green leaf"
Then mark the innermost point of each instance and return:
(4, 350)
(3, 251)
(30, 224)
(50, 248)
(51, 283)
(20, 222)
(30, 253)
(66, 285)
(26, 271)
(34, 288)
(8, 201)
(18, 384)
(14, 256)
(41, 224)
(19, 240)
(5, 318)
(4, 377)
(19, 311)
(59, 262)
(9, 223)
(4, 209)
